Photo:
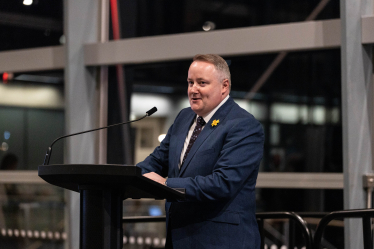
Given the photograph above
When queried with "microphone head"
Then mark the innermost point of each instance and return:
(151, 111)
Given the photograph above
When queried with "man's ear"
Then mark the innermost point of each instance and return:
(225, 86)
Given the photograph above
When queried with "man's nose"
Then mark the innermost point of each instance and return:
(195, 87)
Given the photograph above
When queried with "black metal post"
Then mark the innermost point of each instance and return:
(368, 239)
(260, 223)
(100, 219)
(291, 234)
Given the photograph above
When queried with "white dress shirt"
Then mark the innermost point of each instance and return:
(206, 119)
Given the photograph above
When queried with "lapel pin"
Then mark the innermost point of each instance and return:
(215, 122)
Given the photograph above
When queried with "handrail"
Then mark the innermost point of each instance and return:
(312, 214)
(365, 214)
(291, 216)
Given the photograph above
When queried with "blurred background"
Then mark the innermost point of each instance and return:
(299, 105)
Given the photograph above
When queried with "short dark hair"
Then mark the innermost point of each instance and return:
(219, 63)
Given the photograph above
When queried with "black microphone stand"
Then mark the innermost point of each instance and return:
(49, 151)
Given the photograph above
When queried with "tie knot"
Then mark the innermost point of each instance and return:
(200, 121)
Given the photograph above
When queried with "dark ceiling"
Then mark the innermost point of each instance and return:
(311, 74)
(37, 25)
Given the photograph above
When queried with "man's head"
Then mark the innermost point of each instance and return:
(209, 82)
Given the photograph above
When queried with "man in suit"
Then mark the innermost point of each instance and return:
(213, 150)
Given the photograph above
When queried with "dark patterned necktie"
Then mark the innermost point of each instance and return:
(198, 128)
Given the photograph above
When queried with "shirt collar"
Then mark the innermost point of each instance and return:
(210, 114)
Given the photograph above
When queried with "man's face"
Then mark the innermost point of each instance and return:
(205, 91)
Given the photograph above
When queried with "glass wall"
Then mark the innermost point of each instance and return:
(31, 117)
(299, 107)
(27, 133)
(143, 18)
(31, 216)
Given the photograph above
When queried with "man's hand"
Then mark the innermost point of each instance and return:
(155, 177)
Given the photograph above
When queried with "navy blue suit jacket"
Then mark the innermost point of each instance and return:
(219, 175)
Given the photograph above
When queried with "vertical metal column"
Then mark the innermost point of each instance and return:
(81, 25)
(356, 105)
(103, 82)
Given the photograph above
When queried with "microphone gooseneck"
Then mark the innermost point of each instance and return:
(49, 151)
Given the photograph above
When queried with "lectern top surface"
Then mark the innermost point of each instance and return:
(109, 177)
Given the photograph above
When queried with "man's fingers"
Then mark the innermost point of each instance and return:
(155, 177)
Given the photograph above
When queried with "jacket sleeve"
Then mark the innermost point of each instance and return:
(237, 164)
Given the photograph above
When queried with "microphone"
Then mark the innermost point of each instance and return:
(150, 112)
(49, 151)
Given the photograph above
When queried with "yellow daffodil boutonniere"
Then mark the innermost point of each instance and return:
(215, 122)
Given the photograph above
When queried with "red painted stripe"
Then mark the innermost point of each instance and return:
(115, 19)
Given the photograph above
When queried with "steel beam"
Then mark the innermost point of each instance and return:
(300, 180)
(241, 41)
(367, 24)
(302, 36)
(35, 59)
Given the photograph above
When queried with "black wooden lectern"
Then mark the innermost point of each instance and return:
(102, 189)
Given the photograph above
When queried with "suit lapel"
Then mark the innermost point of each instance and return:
(220, 115)
(181, 137)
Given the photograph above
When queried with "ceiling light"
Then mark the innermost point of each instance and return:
(208, 26)
(27, 2)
